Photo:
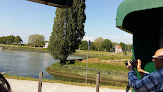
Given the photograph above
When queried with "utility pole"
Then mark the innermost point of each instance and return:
(89, 43)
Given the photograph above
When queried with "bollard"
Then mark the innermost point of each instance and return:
(97, 81)
(40, 82)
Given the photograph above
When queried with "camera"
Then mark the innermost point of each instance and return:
(133, 63)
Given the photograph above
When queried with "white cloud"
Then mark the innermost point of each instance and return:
(86, 38)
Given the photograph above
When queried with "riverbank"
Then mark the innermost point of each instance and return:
(32, 86)
(24, 48)
(111, 73)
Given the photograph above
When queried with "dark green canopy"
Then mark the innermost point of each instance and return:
(56, 3)
(130, 6)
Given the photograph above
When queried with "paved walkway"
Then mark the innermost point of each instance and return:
(32, 86)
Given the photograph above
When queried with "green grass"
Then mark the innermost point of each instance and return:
(104, 55)
(112, 74)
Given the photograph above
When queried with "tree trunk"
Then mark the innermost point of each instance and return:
(98, 49)
(105, 49)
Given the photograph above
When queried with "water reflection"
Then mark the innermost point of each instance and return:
(30, 64)
(24, 63)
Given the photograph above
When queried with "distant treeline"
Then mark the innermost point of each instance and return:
(106, 45)
(10, 40)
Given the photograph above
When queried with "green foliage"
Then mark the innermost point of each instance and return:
(107, 45)
(68, 30)
(10, 39)
(83, 45)
(3, 40)
(98, 42)
(36, 40)
(18, 39)
(123, 45)
(93, 47)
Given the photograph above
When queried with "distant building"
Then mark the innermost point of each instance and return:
(118, 49)
(46, 45)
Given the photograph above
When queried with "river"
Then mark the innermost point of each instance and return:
(26, 63)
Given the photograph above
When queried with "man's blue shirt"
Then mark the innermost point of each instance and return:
(152, 82)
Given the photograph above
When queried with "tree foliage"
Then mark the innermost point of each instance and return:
(98, 42)
(83, 45)
(18, 39)
(107, 45)
(9, 39)
(93, 47)
(123, 45)
(36, 40)
(68, 30)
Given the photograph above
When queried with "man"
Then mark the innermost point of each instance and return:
(152, 82)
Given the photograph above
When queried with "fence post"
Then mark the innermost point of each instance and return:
(97, 81)
(40, 82)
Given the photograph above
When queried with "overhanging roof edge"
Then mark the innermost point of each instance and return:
(129, 6)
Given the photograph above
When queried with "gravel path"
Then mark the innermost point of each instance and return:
(32, 86)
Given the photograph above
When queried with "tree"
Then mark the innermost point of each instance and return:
(83, 45)
(36, 40)
(113, 46)
(93, 47)
(98, 42)
(3, 40)
(18, 39)
(123, 45)
(107, 45)
(68, 30)
(10, 39)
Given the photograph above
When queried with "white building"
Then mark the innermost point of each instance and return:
(118, 49)
(46, 45)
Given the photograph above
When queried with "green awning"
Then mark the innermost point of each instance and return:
(129, 6)
(56, 3)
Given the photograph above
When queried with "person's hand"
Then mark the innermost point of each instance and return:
(139, 69)
(129, 66)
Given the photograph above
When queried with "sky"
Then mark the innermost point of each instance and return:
(24, 18)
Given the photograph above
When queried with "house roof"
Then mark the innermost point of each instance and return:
(118, 46)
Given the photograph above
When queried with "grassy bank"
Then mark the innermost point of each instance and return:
(104, 55)
(111, 74)
(25, 48)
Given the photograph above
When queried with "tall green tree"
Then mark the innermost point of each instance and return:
(107, 45)
(18, 39)
(36, 40)
(68, 30)
(98, 42)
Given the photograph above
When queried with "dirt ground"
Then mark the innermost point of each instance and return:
(96, 60)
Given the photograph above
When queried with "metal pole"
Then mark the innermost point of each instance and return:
(87, 63)
(97, 81)
(40, 82)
